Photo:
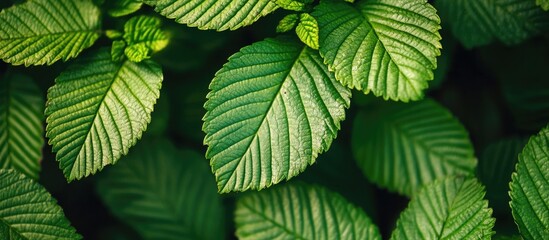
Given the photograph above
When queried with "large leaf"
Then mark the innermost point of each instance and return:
(44, 31)
(97, 110)
(21, 131)
(164, 193)
(404, 146)
(452, 208)
(214, 14)
(529, 194)
(271, 110)
(388, 47)
(300, 211)
(477, 23)
(27, 210)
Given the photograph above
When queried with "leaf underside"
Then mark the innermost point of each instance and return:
(98, 109)
(388, 47)
(452, 208)
(29, 212)
(214, 14)
(21, 131)
(529, 194)
(45, 31)
(300, 211)
(402, 146)
(271, 110)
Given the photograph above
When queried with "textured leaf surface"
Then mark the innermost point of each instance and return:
(143, 36)
(97, 110)
(287, 23)
(214, 14)
(27, 210)
(404, 146)
(477, 23)
(271, 110)
(44, 31)
(294, 5)
(164, 193)
(300, 211)
(388, 47)
(118, 8)
(529, 193)
(307, 30)
(21, 131)
(452, 208)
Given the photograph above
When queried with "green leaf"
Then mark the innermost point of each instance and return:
(164, 193)
(271, 110)
(307, 30)
(143, 36)
(529, 194)
(21, 131)
(294, 5)
(300, 211)
(97, 110)
(287, 23)
(476, 23)
(119, 8)
(452, 208)
(404, 146)
(388, 47)
(214, 14)
(117, 50)
(29, 212)
(44, 31)
(544, 4)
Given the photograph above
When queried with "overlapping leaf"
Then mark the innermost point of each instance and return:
(477, 23)
(98, 109)
(307, 30)
(529, 194)
(214, 14)
(118, 8)
(143, 36)
(21, 131)
(44, 31)
(452, 208)
(164, 193)
(404, 146)
(388, 47)
(300, 211)
(271, 110)
(294, 5)
(287, 23)
(27, 211)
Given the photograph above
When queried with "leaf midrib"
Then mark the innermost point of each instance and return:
(13, 230)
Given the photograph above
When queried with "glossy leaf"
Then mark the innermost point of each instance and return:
(45, 31)
(388, 47)
(98, 109)
(307, 30)
(143, 36)
(271, 110)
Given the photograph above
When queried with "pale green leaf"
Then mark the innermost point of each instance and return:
(214, 14)
(529, 188)
(301, 211)
(44, 31)
(544, 4)
(452, 208)
(119, 8)
(98, 109)
(402, 146)
(388, 47)
(477, 23)
(164, 193)
(307, 30)
(287, 23)
(27, 211)
(21, 131)
(294, 5)
(113, 34)
(143, 36)
(271, 110)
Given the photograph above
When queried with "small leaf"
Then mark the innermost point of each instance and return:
(164, 193)
(44, 31)
(544, 4)
(21, 131)
(117, 50)
(119, 8)
(113, 34)
(271, 110)
(307, 30)
(214, 14)
(300, 211)
(29, 212)
(402, 146)
(452, 208)
(294, 5)
(97, 110)
(529, 194)
(143, 36)
(388, 47)
(287, 23)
